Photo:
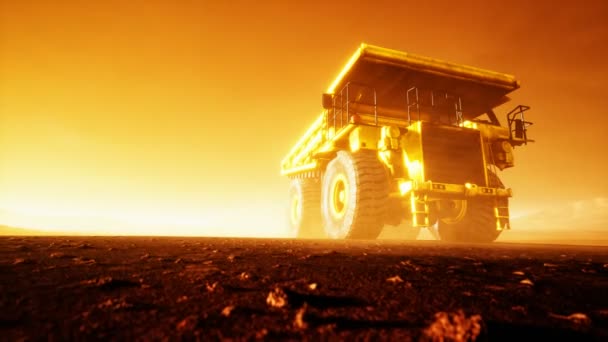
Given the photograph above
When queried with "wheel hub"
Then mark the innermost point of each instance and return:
(295, 210)
(452, 211)
(339, 196)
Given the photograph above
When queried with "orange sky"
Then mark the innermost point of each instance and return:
(171, 117)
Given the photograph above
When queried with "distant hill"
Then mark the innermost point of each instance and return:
(12, 231)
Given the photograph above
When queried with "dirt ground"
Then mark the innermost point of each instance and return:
(83, 288)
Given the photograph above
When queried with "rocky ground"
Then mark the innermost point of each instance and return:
(62, 288)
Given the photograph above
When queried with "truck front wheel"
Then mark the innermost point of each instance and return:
(354, 196)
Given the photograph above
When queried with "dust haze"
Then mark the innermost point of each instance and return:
(175, 124)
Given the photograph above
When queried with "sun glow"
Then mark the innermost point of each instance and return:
(241, 221)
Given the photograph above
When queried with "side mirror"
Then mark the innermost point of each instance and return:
(520, 129)
(327, 100)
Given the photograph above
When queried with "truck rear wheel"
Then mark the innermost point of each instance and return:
(478, 222)
(354, 196)
(305, 208)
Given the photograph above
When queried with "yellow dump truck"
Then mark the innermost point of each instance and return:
(406, 140)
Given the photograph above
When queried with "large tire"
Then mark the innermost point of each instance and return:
(354, 196)
(305, 208)
(478, 223)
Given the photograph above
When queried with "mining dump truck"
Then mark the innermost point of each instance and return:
(406, 140)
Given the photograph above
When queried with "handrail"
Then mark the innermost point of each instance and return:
(345, 105)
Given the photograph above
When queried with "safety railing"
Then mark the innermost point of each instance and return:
(436, 99)
(442, 106)
(351, 94)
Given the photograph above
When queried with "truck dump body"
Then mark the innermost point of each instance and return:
(393, 72)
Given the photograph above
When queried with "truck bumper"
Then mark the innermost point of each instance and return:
(420, 193)
(431, 189)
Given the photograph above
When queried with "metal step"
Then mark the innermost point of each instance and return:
(420, 210)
